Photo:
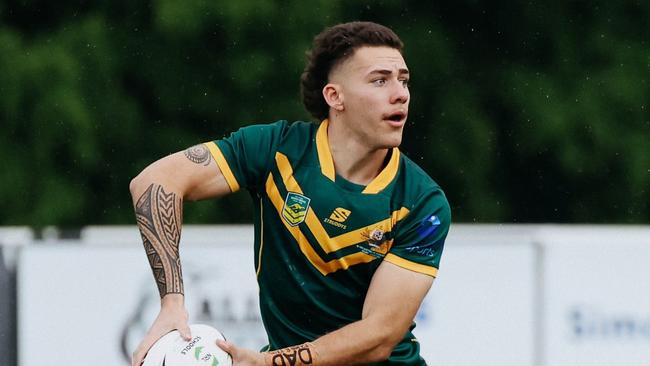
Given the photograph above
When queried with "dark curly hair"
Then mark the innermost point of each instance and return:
(333, 46)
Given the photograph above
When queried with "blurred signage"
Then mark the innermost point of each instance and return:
(82, 302)
(92, 305)
(482, 303)
(597, 291)
(505, 295)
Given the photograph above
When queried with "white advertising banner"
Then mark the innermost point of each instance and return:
(91, 305)
(597, 292)
(480, 310)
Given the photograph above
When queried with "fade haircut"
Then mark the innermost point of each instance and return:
(330, 48)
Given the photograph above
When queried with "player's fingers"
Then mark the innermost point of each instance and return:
(226, 346)
(142, 349)
(185, 332)
(138, 357)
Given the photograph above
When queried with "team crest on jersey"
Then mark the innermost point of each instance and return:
(376, 242)
(295, 208)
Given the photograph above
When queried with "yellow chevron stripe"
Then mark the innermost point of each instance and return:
(354, 237)
(416, 267)
(323, 267)
(287, 173)
(328, 244)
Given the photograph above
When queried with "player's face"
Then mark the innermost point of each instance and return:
(375, 95)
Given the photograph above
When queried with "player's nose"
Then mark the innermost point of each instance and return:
(399, 93)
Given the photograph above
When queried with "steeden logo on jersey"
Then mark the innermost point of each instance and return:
(295, 208)
(338, 217)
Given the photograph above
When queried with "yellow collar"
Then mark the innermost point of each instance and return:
(380, 182)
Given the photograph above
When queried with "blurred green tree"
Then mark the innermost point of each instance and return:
(523, 112)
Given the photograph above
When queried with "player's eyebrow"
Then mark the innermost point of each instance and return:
(388, 72)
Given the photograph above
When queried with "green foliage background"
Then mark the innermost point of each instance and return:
(523, 111)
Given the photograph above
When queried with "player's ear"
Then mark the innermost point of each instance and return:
(333, 96)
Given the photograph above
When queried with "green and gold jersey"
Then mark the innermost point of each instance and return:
(319, 238)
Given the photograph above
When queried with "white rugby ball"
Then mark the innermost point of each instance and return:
(201, 350)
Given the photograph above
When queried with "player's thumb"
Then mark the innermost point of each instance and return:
(185, 332)
(226, 346)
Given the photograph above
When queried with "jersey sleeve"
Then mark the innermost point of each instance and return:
(419, 239)
(244, 157)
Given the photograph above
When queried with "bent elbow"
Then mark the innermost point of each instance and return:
(385, 348)
(132, 185)
(382, 353)
(136, 186)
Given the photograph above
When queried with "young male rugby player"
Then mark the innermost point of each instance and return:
(348, 231)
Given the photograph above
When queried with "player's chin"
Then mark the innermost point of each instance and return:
(387, 135)
(392, 139)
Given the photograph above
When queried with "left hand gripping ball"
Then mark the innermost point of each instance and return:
(201, 350)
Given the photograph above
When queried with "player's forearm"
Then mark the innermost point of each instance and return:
(365, 341)
(159, 212)
(361, 342)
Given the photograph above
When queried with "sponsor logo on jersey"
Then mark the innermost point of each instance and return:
(426, 251)
(295, 208)
(338, 217)
(426, 244)
(376, 242)
(340, 214)
(428, 227)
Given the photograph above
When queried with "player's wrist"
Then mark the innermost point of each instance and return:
(173, 300)
(299, 355)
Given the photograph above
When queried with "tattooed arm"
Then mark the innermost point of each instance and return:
(158, 194)
(393, 299)
(159, 215)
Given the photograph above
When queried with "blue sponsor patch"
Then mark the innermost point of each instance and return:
(426, 241)
(428, 226)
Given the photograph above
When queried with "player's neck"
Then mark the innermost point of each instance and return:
(354, 159)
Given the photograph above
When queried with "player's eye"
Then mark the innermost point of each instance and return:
(379, 82)
(405, 82)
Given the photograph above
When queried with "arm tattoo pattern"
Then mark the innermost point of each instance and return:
(198, 154)
(291, 356)
(159, 215)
